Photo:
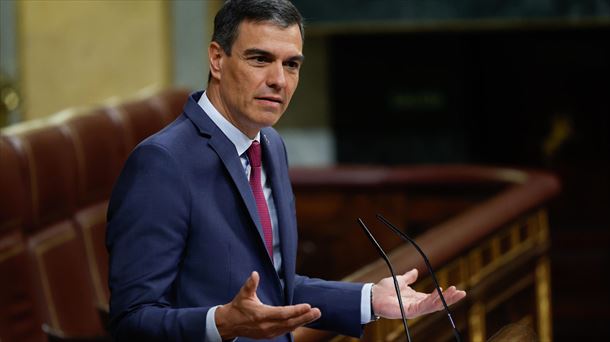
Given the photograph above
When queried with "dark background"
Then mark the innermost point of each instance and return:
(516, 83)
(525, 98)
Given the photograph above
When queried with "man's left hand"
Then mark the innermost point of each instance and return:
(385, 303)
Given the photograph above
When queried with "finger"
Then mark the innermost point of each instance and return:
(445, 293)
(309, 317)
(449, 293)
(276, 328)
(282, 313)
(438, 302)
(434, 297)
(430, 303)
(251, 284)
(459, 295)
(455, 296)
(409, 277)
(452, 295)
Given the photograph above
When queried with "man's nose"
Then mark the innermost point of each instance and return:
(276, 77)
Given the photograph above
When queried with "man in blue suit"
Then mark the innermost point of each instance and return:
(202, 230)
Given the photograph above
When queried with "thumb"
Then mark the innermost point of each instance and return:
(410, 277)
(251, 284)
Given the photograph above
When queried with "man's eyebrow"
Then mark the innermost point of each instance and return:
(254, 51)
(261, 52)
(297, 58)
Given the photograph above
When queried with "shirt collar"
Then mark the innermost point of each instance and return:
(237, 137)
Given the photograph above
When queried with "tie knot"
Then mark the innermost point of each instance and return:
(254, 154)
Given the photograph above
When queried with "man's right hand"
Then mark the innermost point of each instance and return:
(247, 316)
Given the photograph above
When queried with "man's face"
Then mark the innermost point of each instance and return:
(257, 80)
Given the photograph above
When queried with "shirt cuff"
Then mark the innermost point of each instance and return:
(365, 304)
(211, 331)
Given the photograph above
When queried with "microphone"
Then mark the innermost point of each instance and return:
(438, 288)
(396, 287)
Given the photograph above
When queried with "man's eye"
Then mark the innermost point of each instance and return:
(260, 59)
(292, 65)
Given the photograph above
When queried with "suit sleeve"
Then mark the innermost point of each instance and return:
(339, 303)
(148, 220)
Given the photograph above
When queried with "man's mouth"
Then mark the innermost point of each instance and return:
(270, 99)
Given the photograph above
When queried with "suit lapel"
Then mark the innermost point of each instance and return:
(227, 153)
(231, 161)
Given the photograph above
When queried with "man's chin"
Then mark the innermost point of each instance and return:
(269, 119)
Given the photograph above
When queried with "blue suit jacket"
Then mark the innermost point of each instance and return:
(182, 235)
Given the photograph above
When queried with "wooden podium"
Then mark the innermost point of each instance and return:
(521, 331)
(484, 229)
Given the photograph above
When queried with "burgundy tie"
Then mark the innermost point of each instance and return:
(254, 154)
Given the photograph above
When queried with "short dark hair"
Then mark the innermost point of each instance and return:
(280, 12)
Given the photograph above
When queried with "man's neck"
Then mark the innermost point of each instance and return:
(213, 93)
(237, 137)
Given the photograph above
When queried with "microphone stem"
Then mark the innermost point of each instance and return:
(396, 286)
(405, 237)
(402, 310)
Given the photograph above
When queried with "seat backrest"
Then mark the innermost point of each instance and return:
(171, 102)
(20, 319)
(91, 222)
(13, 188)
(48, 162)
(56, 176)
(139, 119)
(100, 151)
(66, 297)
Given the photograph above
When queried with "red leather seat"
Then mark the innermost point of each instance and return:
(66, 296)
(48, 164)
(56, 176)
(91, 222)
(100, 152)
(20, 319)
(13, 187)
(138, 119)
(171, 101)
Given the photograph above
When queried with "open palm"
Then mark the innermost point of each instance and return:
(385, 303)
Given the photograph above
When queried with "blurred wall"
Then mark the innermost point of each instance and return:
(81, 52)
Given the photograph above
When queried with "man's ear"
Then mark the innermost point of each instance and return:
(216, 55)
